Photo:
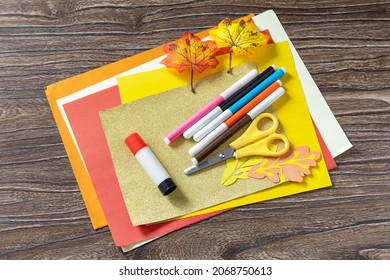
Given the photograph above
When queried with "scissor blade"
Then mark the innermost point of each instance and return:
(221, 156)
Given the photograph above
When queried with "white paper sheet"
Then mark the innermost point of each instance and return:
(330, 129)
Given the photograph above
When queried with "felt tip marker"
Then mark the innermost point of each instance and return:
(210, 106)
(244, 89)
(238, 105)
(262, 101)
(225, 135)
(150, 163)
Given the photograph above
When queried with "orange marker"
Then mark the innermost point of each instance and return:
(230, 121)
(259, 89)
(253, 103)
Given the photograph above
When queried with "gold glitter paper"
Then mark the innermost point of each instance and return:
(153, 118)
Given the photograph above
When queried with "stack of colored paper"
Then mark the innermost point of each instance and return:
(97, 110)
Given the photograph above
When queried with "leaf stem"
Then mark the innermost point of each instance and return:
(192, 80)
(230, 61)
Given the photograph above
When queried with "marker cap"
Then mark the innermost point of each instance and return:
(135, 143)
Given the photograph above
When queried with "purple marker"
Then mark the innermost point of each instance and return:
(150, 163)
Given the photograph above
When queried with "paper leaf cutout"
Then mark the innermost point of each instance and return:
(190, 52)
(265, 169)
(290, 167)
(241, 37)
(239, 168)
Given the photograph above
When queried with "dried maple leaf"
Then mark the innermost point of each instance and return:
(241, 37)
(190, 52)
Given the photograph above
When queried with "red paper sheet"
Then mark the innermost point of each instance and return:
(329, 160)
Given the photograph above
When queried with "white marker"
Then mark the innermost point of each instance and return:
(233, 89)
(216, 133)
(239, 104)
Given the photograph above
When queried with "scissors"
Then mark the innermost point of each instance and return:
(253, 142)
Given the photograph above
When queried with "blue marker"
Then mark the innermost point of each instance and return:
(239, 104)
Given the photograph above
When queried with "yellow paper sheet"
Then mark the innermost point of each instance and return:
(134, 87)
(291, 110)
(280, 55)
(161, 80)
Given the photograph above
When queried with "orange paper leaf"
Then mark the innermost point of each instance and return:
(290, 167)
(190, 52)
(265, 170)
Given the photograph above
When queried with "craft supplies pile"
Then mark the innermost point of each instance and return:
(177, 134)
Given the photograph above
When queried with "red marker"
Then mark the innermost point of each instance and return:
(150, 163)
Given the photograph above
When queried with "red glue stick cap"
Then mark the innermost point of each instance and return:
(134, 142)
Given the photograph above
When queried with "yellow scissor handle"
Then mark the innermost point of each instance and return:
(263, 148)
(253, 133)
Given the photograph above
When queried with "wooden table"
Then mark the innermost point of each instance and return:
(344, 44)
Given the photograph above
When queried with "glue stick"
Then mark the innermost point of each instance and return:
(150, 163)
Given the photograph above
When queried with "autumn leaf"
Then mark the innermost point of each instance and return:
(265, 169)
(190, 52)
(239, 168)
(290, 167)
(293, 166)
(299, 164)
(241, 37)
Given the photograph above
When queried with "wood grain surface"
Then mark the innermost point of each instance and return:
(344, 44)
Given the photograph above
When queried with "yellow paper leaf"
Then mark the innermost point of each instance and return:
(238, 169)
